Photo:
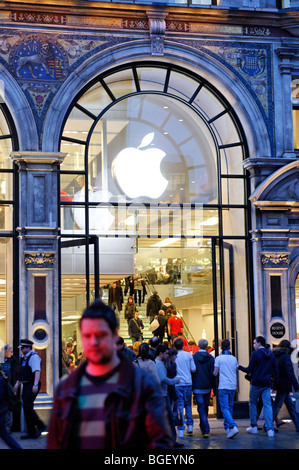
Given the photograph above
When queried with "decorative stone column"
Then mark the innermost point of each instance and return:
(287, 55)
(38, 266)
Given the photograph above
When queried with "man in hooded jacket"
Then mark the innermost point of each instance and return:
(203, 382)
(264, 374)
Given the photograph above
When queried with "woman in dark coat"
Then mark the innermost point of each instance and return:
(286, 380)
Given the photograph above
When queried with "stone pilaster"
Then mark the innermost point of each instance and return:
(38, 230)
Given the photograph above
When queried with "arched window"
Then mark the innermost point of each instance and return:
(8, 142)
(154, 154)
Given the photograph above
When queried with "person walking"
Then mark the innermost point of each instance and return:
(129, 414)
(10, 368)
(145, 362)
(203, 383)
(286, 380)
(226, 367)
(165, 381)
(29, 375)
(124, 350)
(185, 367)
(135, 328)
(4, 434)
(174, 325)
(263, 369)
(115, 297)
(138, 288)
(160, 331)
(130, 309)
(153, 306)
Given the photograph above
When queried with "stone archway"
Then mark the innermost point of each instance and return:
(197, 61)
(276, 253)
(21, 112)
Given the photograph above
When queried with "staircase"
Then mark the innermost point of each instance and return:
(123, 325)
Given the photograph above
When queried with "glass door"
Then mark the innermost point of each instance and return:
(224, 295)
(79, 287)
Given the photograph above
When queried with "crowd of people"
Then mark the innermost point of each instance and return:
(169, 378)
(119, 396)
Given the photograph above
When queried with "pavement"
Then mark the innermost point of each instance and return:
(285, 438)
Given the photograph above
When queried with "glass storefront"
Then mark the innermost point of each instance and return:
(7, 144)
(154, 157)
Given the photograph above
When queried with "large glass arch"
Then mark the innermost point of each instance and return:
(8, 143)
(161, 151)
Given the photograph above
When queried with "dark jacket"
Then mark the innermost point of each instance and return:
(203, 378)
(262, 368)
(162, 326)
(10, 368)
(135, 327)
(118, 295)
(3, 396)
(130, 310)
(135, 414)
(287, 378)
(154, 304)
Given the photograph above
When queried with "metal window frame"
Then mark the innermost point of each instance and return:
(220, 239)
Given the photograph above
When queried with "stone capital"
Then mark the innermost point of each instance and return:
(37, 158)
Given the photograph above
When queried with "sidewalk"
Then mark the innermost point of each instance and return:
(285, 438)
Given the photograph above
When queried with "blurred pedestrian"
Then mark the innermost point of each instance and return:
(135, 328)
(161, 330)
(107, 402)
(162, 355)
(130, 309)
(203, 383)
(145, 362)
(286, 381)
(263, 370)
(185, 367)
(10, 368)
(153, 306)
(226, 366)
(4, 434)
(124, 350)
(174, 325)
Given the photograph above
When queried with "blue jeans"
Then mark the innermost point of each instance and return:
(284, 398)
(254, 394)
(184, 395)
(7, 438)
(202, 401)
(226, 402)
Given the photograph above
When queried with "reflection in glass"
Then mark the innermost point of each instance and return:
(5, 149)
(169, 130)
(74, 159)
(152, 135)
(6, 288)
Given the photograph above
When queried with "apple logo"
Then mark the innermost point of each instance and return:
(138, 171)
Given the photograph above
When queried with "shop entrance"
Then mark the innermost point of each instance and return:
(154, 156)
(198, 278)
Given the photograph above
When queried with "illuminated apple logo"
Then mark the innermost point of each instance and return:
(138, 171)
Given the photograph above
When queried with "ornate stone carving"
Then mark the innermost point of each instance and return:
(275, 259)
(288, 191)
(39, 260)
(157, 26)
